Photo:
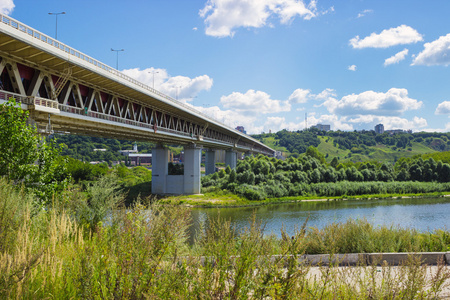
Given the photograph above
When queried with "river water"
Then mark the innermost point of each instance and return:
(425, 214)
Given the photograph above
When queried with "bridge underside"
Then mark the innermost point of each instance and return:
(67, 91)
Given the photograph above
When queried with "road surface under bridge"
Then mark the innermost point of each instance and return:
(70, 92)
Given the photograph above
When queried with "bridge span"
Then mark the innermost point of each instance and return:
(70, 92)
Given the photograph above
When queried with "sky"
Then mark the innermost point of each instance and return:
(268, 64)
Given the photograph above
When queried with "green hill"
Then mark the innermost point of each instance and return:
(358, 146)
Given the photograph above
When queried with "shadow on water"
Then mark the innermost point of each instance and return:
(423, 214)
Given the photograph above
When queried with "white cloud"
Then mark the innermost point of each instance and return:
(300, 96)
(445, 129)
(6, 6)
(232, 118)
(396, 58)
(181, 87)
(443, 108)
(223, 17)
(402, 34)
(276, 124)
(393, 102)
(325, 94)
(352, 68)
(389, 122)
(279, 123)
(401, 123)
(335, 122)
(363, 13)
(254, 102)
(435, 53)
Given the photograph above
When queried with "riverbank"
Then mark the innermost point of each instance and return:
(227, 199)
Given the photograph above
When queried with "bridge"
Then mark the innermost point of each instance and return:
(67, 91)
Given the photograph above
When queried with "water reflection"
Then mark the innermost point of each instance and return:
(422, 214)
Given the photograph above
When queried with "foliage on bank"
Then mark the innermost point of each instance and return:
(262, 177)
(28, 159)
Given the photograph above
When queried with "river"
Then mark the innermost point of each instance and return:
(423, 214)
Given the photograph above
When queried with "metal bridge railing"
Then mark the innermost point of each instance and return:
(43, 102)
(33, 100)
(102, 116)
(29, 100)
(4, 95)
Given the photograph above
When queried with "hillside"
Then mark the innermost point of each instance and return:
(358, 146)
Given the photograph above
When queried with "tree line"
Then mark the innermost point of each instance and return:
(263, 177)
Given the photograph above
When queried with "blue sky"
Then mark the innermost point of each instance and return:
(264, 64)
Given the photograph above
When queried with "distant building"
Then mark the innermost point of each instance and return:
(241, 129)
(140, 158)
(379, 129)
(279, 155)
(137, 158)
(322, 127)
(128, 152)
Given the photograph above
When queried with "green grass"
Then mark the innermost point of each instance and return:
(379, 153)
(326, 147)
(227, 199)
(271, 142)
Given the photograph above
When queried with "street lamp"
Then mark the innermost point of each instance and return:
(178, 87)
(56, 15)
(117, 60)
(153, 72)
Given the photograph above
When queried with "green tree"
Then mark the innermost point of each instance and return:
(26, 158)
(313, 152)
(232, 177)
(334, 162)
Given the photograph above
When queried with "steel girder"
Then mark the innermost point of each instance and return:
(91, 110)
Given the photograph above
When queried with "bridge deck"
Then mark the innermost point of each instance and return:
(97, 99)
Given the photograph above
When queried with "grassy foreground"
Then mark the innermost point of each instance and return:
(143, 253)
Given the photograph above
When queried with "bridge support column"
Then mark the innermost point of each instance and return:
(210, 161)
(231, 158)
(192, 172)
(160, 169)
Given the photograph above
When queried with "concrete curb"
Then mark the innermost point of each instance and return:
(367, 259)
(429, 258)
(352, 259)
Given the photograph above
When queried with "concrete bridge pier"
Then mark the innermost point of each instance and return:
(231, 158)
(210, 161)
(192, 172)
(160, 169)
(163, 183)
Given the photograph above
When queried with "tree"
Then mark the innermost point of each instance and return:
(313, 152)
(334, 162)
(26, 158)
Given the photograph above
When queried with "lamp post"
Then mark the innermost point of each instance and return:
(56, 15)
(178, 87)
(153, 72)
(117, 60)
